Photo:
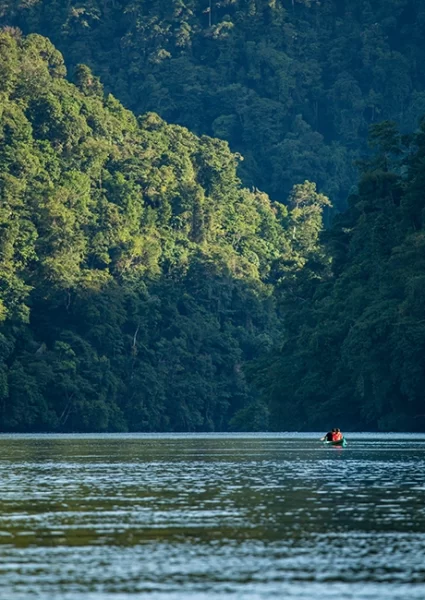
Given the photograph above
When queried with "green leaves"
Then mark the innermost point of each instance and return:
(134, 274)
(293, 87)
(354, 337)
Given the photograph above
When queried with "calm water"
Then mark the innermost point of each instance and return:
(195, 517)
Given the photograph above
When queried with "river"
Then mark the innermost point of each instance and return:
(114, 517)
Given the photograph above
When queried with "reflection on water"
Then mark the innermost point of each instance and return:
(118, 517)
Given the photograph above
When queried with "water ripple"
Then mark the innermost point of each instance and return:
(114, 517)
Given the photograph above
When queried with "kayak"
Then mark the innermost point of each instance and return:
(342, 443)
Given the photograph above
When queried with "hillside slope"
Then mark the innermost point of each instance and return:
(136, 274)
(355, 345)
(293, 85)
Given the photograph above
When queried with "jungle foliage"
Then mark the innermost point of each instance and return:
(354, 344)
(142, 287)
(293, 85)
(136, 274)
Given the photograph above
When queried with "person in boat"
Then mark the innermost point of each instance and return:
(328, 437)
(337, 435)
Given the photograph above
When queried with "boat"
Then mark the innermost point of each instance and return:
(342, 443)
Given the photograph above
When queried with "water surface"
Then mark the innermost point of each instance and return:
(214, 516)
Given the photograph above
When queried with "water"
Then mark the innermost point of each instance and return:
(213, 516)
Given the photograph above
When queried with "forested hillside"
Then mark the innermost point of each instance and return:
(355, 340)
(142, 285)
(136, 274)
(293, 85)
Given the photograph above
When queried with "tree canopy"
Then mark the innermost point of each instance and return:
(137, 274)
(354, 344)
(293, 85)
(145, 281)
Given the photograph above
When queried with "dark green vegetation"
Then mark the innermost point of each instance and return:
(355, 342)
(292, 84)
(136, 273)
(141, 286)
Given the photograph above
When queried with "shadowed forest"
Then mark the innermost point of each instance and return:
(146, 283)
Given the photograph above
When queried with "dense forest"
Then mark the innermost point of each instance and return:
(146, 284)
(355, 341)
(292, 85)
(136, 273)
